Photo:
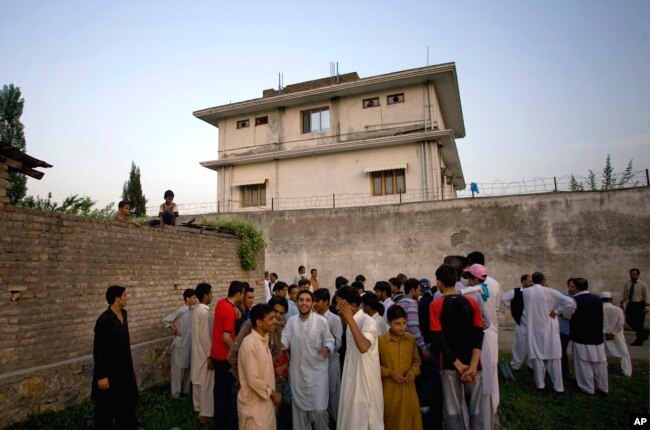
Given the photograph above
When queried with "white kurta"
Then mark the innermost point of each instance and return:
(542, 331)
(519, 338)
(613, 322)
(308, 370)
(201, 344)
(361, 404)
(181, 318)
(382, 325)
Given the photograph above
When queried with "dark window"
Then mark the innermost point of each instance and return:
(315, 120)
(253, 195)
(395, 98)
(388, 182)
(261, 120)
(373, 102)
(244, 123)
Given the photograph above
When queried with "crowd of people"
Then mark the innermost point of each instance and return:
(401, 354)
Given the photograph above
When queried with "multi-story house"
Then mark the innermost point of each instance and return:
(341, 141)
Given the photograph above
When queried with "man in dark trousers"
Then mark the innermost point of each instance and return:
(636, 303)
(114, 388)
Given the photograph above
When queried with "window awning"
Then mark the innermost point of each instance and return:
(384, 168)
(249, 182)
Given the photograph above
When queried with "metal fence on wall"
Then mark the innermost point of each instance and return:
(472, 190)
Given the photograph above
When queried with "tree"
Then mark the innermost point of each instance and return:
(12, 133)
(609, 179)
(132, 192)
(73, 204)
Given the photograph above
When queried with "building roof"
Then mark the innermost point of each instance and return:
(27, 162)
(443, 77)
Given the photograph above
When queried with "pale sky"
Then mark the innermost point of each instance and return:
(548, 88)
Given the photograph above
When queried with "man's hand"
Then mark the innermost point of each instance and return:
(609, 336)
(397, 378)
(174, 330)
(324, 351)
(553, 314)
(276, 398)
(210, 366)
(345, 310)
(460, 367)
(102, 384)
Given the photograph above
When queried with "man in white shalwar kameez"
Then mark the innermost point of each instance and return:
(542, 305)
(179, 323)
(361, 405)
(490, 349)
(257, 398)
(308, 336)
(589, 359)
(202, 373)
(519, 337)
(613, 322)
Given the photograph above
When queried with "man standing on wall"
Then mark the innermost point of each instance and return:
(201, 367)
(223, 337)
(114, 388)
(179, 323)
(636, 303)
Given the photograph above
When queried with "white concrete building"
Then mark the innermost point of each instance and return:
(341, 141)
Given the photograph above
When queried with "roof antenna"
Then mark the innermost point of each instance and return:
(427, 55)
(280, 82)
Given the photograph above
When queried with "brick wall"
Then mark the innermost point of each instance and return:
(54, 271)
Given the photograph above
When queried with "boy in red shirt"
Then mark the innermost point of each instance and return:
(223, 337)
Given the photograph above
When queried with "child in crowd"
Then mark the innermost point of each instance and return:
(123, 214)
(400, 365)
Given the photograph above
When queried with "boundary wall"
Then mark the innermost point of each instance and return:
(54, 271)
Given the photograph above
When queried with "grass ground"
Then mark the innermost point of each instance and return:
(522, 407)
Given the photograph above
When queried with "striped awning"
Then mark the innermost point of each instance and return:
(249, 182)
(384, 168)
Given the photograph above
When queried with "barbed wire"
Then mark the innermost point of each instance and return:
(472, 190)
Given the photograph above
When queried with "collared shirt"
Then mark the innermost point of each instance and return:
(640, 293)
(225, 317)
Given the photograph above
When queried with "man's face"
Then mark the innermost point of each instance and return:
(572, 288)
(417, 292)
(634, 275)
(305, 287)
(398, 326)
(471, 281)
(314, 273)
(125, 210)
(380, 294)
(122, 300)
(168, 200)
(321, 306)
(207, 299)
(305, 304)
(191, 301)
(293, 294)
(301, 270)
(394, 288)
(527, 282)
(279, 311)
(249, 298)
(281, 293)
(274, 279)
(239, 297)
(267, 324)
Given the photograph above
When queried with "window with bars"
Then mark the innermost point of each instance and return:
(316, 120)
(388, 182)
(253, 195)
(395, 98)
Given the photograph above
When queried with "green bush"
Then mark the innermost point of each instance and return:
(252, 241)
